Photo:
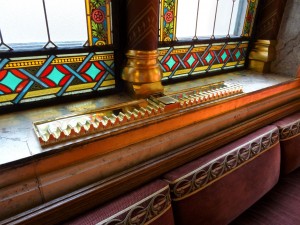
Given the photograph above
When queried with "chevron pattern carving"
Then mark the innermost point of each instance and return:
(142, 24)
(271, 15)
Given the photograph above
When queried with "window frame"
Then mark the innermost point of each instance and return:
(172, 42)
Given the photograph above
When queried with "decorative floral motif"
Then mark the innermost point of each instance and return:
(249, 19)
(209, 173)
(168, 20)
(142, 214)
(289, 131)
(99, 22)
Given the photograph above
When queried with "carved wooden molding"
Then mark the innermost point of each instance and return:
(271, 15)
(100, 192)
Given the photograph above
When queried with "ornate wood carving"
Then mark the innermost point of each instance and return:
(100, 192)
(268, 23)
(142, 24)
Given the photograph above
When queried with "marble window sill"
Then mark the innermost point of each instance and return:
(20, 144)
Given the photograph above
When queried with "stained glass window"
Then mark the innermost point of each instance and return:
(201, 34)
(43, 24)
(206, 19)
(196, 60)
(210, 18)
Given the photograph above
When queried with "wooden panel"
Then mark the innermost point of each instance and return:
(93, 195)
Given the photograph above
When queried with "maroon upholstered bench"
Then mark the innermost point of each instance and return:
(149, 204)
(217, 187)
(289, 129)
(280, 206)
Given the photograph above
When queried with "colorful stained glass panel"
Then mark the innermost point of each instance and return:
(194, 60)
(28, 79)
(99, 22)
(168, 16)
(249, 18)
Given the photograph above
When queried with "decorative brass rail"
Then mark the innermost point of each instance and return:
(75, 126)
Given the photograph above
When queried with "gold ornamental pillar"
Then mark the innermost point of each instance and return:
(262, 55)
(142, 72)
(268, 24)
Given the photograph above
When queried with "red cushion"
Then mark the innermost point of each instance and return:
(219, 186)
(150, 204)
(279, 206)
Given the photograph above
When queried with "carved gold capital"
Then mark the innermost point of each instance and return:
(142, 73)
(262, 55)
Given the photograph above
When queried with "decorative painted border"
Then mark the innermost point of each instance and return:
(31, 79)
(249, 18)
(98, 14)
(289, 131)
(168, 17)
(209, 173)
(191, 60)
(140, 213)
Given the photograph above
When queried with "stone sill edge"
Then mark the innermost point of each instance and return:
(55, 149)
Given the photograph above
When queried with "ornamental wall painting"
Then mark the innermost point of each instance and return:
(194, 60)
(32, 79)
(99, 22)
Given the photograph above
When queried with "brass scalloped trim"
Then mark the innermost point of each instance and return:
(289, 131)
(89, 123)
(159, 203)
(211, 172)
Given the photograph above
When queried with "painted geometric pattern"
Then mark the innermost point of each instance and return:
(178, 61)
(98, 14)
(249, 18)
(168, 16)
(28, 79)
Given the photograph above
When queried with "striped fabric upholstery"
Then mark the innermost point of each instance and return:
(280, 206)
(150, 204)
(219, 186)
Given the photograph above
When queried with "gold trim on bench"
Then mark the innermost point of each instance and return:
(159, 203)
(289, 131)
(212, 171)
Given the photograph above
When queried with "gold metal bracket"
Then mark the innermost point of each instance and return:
(142, 73)
(262, 55)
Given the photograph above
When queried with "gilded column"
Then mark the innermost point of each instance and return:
(268, 24)
(142, 72)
